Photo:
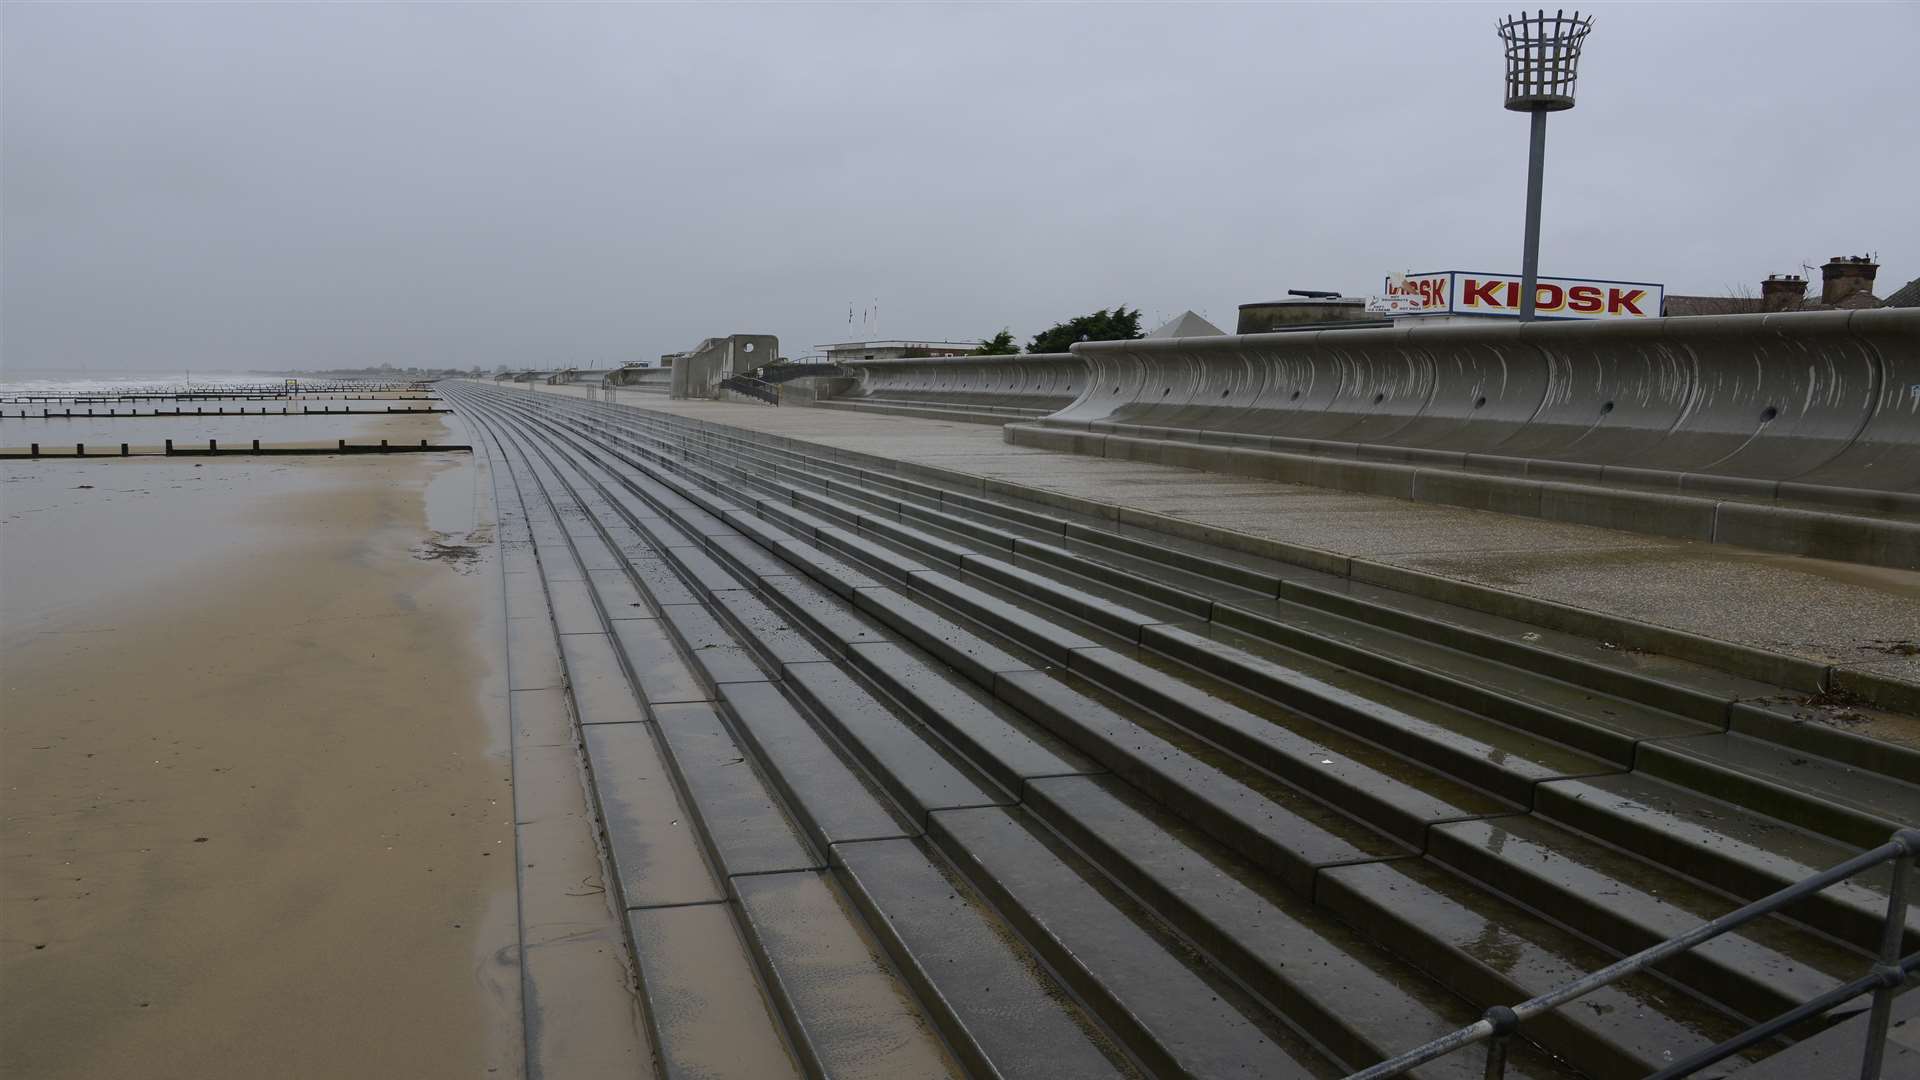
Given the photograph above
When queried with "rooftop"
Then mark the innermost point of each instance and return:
(901, 345)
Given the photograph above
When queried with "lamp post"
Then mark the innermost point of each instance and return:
(1543, 60)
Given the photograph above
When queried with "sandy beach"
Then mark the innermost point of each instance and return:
(255, 802)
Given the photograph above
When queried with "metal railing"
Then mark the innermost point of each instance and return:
(752, 387)
(797, 369)
(1891, 970)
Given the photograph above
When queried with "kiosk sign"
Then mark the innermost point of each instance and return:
(1461, 292)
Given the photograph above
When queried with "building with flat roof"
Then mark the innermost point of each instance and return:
(1846, 285)
(894, 350)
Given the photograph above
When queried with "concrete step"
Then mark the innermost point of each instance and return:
(915, 765)
(843, 1009)
(972, 713)
(1606, 724)
(1603, 706)
(833, 801)
(886, 665)
(1274, 825)
(708, 1012)
(746, 829)
(1357, 1002)
(1003, 1014)
(1500, 759)
(1009, 747)
(1176, 1017)
(1627, 904)
(1661, 681)
(1615, 733)
(1742, 852)
(893, 663)
(1597, 724)
(1394, 794)
(848, 1013)
(1851, 804)
(1490, 950)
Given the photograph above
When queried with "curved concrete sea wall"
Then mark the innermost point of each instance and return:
(1707, 428)
(997, 387)
(1827, 398)
(656, 379)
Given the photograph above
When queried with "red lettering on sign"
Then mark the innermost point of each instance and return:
(1619, 300)
(1547, 297)
(1585, 299)
(1479, 293)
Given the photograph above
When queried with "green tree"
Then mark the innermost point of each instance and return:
(1000, 344)
(1103, 325)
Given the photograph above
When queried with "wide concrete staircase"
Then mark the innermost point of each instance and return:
(902, 780)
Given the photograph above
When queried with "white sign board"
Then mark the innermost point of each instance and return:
(1396, 304)
(1461, 292)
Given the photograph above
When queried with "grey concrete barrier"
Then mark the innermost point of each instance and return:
(1740, 404)
(1034, 384)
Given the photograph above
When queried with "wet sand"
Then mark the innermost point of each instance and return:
(255, 810)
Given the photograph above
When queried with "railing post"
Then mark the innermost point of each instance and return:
(1505, 1023)
(1892, 934)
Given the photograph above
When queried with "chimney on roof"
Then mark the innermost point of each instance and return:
(1782, 292)
(1845, 275)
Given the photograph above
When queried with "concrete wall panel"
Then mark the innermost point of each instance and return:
(1604, 392)
(1885, 455)
(1734, 405)
(1827, 398)
(1771, 401)
(1042, 383)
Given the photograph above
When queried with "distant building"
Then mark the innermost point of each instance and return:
(1907, 295)
(1846, 284)
(1316, 312)
(894, 350)
(1186, 324)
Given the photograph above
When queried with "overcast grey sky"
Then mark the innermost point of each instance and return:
(274, 185)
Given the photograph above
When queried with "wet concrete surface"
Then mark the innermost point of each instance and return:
(958, 911)
(1830, 613)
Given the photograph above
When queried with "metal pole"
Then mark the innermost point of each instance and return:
(1530, 259)
(1892, 934)
(1504, 1022)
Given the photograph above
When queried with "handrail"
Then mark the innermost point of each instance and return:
(1498, 1025)
(795, 369)
(752, 387)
